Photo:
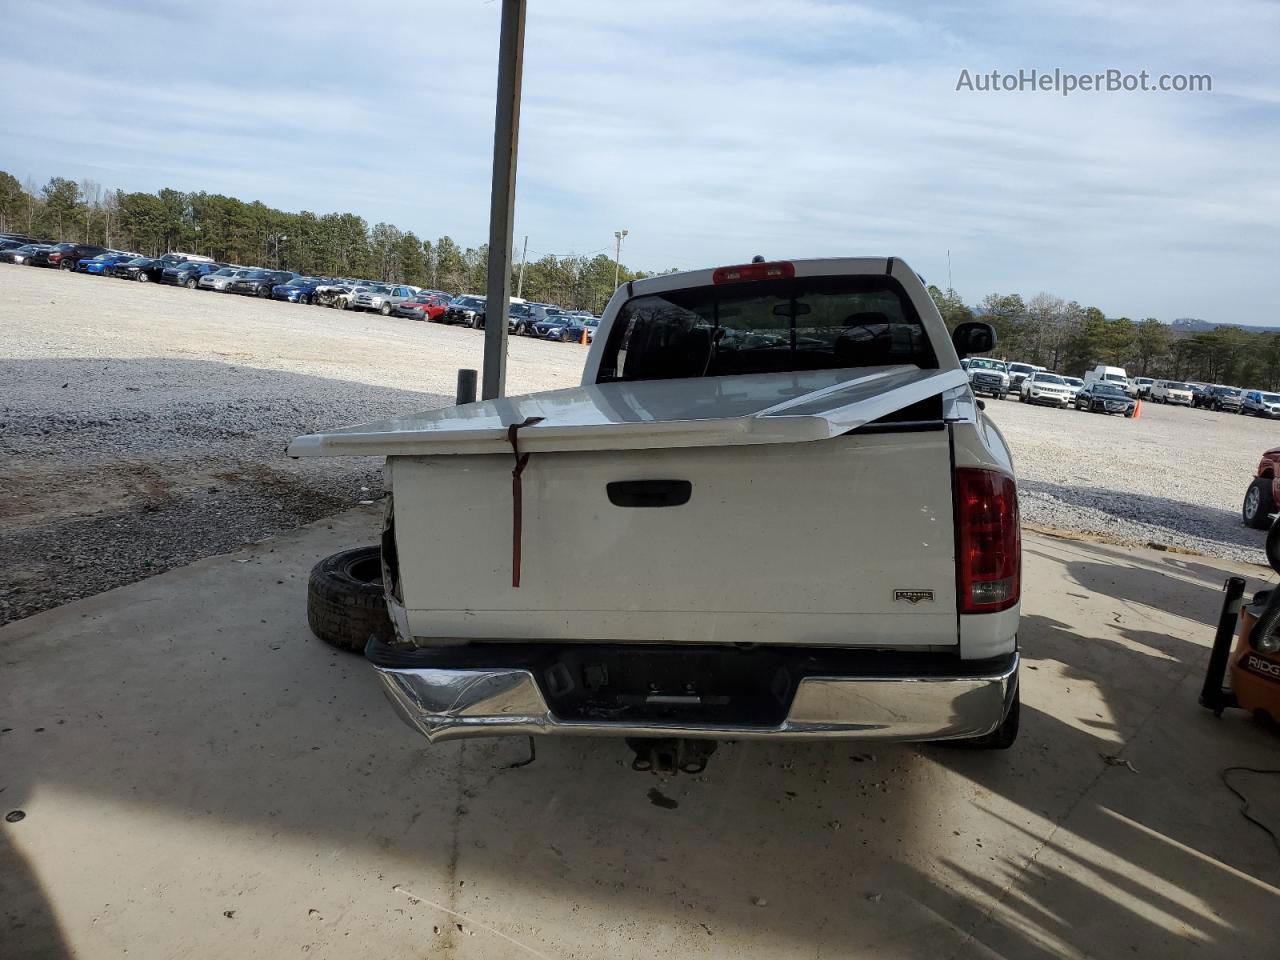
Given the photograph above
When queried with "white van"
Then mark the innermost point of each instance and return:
(1171, 391)
(1115, 375)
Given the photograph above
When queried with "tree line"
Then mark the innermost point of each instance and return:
(1069, 338)
(1060, 334)
(253, 234)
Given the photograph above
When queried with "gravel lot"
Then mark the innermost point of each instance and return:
(1175, 477)
(143, 427)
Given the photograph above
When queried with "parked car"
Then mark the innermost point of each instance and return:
(1261, 404)
(425, 306)
(1228, 399)
(1019, 372)
(1075, 384)
(543, 319)
(907, 631)
(523, 315)
(142, 269)
(572, 328)
(1101, 396)
(300, 290)
(1263, 494)
(1045, 387)
(588, 324)
(178, 256)
(1171, 391)
(12, 243)
(258, 283)
(1142, 386)
(219, 279)
(336, 295)
(100, 264)
(518, 315)
(21, 255)
(466, 310)
(381, 298)
(187, 273)
(66, 256)
(551, 326)
(988, 376)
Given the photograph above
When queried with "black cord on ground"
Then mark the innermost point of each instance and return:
(533, 755)
(1244, 801)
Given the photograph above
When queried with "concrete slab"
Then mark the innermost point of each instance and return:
(201, 778)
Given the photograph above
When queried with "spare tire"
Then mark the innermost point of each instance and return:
(345, 602)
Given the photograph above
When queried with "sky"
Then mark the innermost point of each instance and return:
(712, 130)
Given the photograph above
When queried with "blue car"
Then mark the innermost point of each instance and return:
(102, 262)
(187, 273)
(301, 290)
(578, 325)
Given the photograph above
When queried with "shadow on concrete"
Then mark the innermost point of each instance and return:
(1190, 590)
(28, 927)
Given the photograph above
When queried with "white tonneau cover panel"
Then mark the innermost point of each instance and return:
(647, 414)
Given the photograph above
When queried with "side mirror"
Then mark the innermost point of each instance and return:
(973, 337)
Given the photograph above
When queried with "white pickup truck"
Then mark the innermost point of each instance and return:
(773, 508)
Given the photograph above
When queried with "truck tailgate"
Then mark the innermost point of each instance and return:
(842, 541)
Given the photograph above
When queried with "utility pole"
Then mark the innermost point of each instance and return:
(524, 255)
(618, 235)
(506, 138)
(949, 286)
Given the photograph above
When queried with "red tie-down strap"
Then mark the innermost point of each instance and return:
(517, 517)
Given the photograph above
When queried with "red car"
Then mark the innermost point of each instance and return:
(425, 307)
(1263, 495)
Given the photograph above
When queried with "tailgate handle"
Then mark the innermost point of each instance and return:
(649, 493)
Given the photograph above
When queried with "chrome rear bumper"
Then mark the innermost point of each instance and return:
(447, 704)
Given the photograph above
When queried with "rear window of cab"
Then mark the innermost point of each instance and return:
(767, 326)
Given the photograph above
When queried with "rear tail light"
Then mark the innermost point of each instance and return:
(779, 270)
(988, 541)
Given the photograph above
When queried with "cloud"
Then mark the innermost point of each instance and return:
(710, 130)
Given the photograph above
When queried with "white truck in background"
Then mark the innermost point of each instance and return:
(1113, 375)
(799, 522)
(988, 376)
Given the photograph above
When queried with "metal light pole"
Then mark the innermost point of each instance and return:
(506, 136)
(523, 257)
(277, 238)
(618, 235)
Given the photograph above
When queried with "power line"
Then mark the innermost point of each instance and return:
(544, 253)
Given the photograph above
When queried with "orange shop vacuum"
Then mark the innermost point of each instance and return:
(1246, 674)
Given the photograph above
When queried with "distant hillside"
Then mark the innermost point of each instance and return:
(1192, 325)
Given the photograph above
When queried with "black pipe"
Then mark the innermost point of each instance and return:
(1212, 696)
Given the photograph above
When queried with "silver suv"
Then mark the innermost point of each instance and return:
(381, 297)
(218, 279)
